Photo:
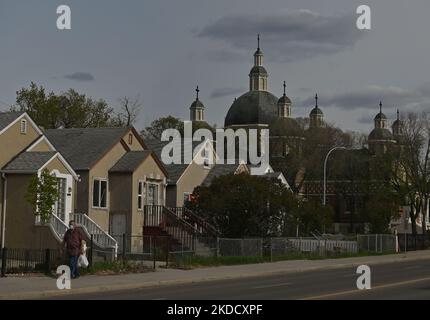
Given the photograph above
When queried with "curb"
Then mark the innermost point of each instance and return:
(120, 287)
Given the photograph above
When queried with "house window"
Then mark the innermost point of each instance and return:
(206, 157)
(140, 188)
(152, 194)
(23, 127)
(100, 193)
(187, 197)
(130, 138)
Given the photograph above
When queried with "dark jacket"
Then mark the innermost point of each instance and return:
(73, 240)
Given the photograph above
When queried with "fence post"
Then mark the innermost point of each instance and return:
(167, 251)
(153, 254)
(124, 246)
(217, 247)
(3, 262)
(47, 261)
(90, 262)
(241, 247)
(271, 249)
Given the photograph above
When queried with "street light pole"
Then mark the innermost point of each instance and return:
(325, 170)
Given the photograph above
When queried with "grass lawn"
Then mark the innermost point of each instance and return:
(191, 261)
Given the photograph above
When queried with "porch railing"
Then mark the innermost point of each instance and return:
(100, 237)
(168, 221)
(58, 227)
(205, 232)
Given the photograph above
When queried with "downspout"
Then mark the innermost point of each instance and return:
(3, 214)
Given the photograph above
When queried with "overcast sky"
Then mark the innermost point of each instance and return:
(160, 50)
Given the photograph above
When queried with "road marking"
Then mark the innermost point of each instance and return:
(383, 286)
(273, 285)
(412, 267)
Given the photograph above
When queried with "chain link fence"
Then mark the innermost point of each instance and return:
(378, 243)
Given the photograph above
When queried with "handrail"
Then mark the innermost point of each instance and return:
(203, 227)
(100, 237)
(58, 227)
(162, 217)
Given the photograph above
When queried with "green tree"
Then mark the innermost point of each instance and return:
(157, 127)
(380, 209)
(42, 194)
(313, 216)
(67, 110)
(243, 205)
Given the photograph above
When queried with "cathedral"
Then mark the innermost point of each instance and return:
(260, 109)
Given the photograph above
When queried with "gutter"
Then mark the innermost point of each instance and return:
(3, 213)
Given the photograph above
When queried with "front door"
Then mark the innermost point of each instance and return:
(60, 205)
(118, 228)
(152, 199)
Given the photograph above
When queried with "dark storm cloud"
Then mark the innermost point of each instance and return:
(289, 35)
(80, 76)
(368, 98)
(225, 92)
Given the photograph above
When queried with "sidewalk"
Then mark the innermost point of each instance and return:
(39, 287)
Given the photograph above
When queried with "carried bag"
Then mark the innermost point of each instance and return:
(83, 261)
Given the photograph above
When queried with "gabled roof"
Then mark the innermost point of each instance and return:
(220, 170)
(28, 162)
(174, 171)
(6, 118)
(132, 159)
(83, 147)
(31, 162)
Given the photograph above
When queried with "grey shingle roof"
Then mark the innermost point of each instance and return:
(130, 161)
(174, 171)
(253, 107)
(219, 170)
(7, 118)
(28, 162)
(83, 147)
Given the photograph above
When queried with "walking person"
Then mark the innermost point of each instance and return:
(73, 243)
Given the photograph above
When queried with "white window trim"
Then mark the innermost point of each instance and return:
(23, 126)
(142, 195)
(107, 194)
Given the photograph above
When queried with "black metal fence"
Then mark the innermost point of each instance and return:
(18, 261)
(413, 242)
(152, 250)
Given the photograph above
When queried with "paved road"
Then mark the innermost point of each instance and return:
(400, 280)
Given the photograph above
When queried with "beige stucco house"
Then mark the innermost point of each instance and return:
(118, 176)
(25, 152)
(183, 178)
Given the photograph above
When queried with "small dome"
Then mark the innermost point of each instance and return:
(397, 123)
(253, 107)
(284, 100)
(380, 116)
(286, 127)
(259, 70)
(197, 104)
(316, 111)
(258, 52)
(380, 134)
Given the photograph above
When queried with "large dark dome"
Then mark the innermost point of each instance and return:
(254, 107)
(380, 134)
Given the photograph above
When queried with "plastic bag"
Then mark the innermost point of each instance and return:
(83, 261)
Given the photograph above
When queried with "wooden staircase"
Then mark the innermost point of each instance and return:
(186, 230)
